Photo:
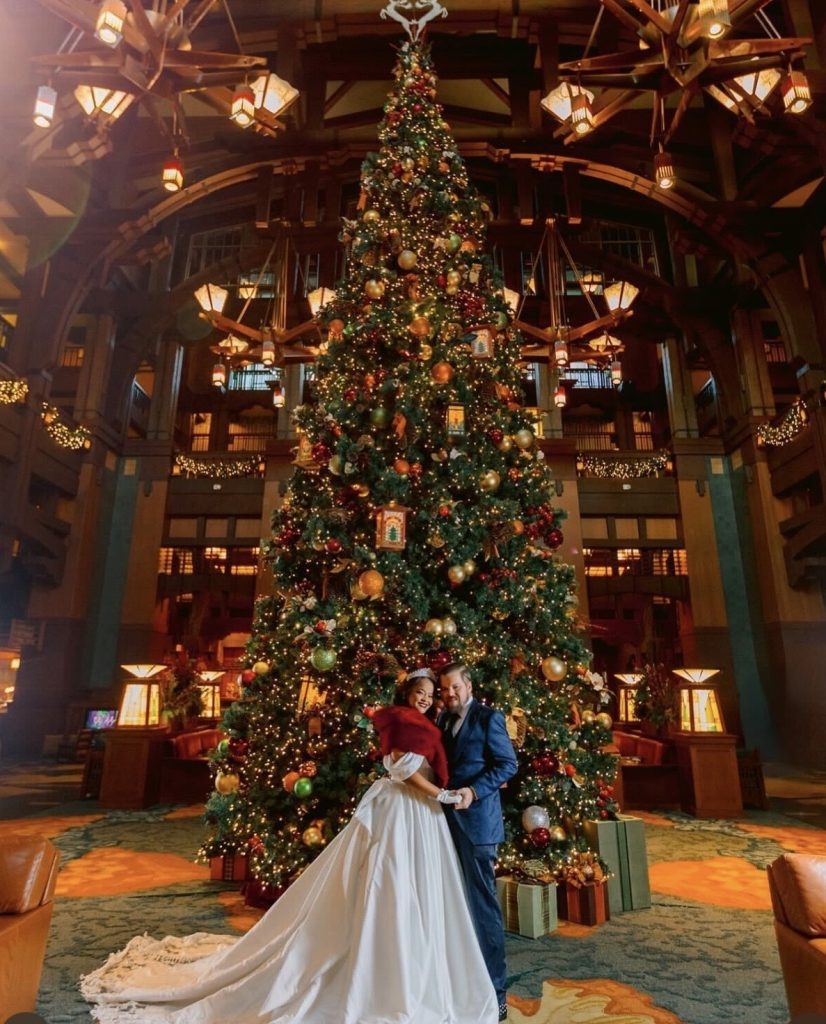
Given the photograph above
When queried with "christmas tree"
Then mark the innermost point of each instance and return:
(418, 528)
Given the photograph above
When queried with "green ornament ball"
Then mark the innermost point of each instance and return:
(454, 241)
(223, 748)
(323, 659)
(380, 416)
(303, 788)
(501, 320)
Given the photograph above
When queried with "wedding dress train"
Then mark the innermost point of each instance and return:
(375, 931)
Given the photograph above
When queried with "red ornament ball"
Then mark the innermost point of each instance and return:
(437, 660)
(351, 394)
(321, 452)
(321, 626)
(554, 538)
(238, 748)
(544, 765)
(540, 837)
(496, 436)
(333, 545)
(247, 676)
(570, 770)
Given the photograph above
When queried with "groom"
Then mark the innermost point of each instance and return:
(480, 758)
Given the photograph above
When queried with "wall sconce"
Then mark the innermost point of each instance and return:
(699, 703)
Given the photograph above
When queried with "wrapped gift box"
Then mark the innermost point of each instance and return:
(583, 902)
(528, 908)
(230, 867)
(621, 845)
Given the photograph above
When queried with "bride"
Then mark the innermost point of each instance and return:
(375, 931)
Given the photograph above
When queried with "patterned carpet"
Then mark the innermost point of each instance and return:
(704, 953)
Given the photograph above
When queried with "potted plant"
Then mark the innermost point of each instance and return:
(656, 700)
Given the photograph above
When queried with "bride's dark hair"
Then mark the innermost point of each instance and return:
(405, 688)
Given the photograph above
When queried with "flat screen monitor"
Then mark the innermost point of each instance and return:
(101, 718)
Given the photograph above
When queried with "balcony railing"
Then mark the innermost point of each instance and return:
(602, 562)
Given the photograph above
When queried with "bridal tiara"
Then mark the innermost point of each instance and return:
(419, 673)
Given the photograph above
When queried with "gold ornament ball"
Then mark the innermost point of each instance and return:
(554, 669)
(452, 289)
(371, 216)
(420, 326)
(227, 783)
(489, 481)
(312, 836)
(407, 259)
(523, 438)
(518, 527)
(604, 720)
(588, 717)
(448, 627)
(371, 582)
(434, 627)
(456, 574)
(558, 834)
(261, 668)
(469, 566)
(453, 277)
(374, 288)
(335, 465)
(442, 372)
(505, 444)
(425, 352)
(402, 467)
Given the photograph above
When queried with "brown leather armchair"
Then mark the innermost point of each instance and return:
(797, 883)
(28, 873)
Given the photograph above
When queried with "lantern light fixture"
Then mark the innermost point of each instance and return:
(143, 670)
(273, 93)
(797, 93)
(512, 299)
(268, 352)
(243, 106)
(109, 23)
(99, 101)
(211, 298)
(172, 175)
(278, 397)
(44, 106)
(620, 296)
(582, 114)
(627, 696)
(616, 373)
(320, 297)
(559, 101)
(664, 173)
(699, 703)
(714, 18)
(219, 375)
(561, 352)
(560, 397)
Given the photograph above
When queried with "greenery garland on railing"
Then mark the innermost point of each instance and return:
(786, 430)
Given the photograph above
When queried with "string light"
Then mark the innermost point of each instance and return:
(218, 469)
(622, 469)
(74, 438)
(12, 391)
(787, 430)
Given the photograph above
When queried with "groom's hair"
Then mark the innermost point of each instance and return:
(457, 666)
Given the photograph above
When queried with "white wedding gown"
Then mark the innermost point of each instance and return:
(375, 931)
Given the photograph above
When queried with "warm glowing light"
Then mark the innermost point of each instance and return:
(616, 373)
(14, 664)
(243, 106)
(211, 298)
(278, 397)
(696, 675)
(320, 297)
(219, 375)
(627, 702)
(143, 671)
(109, 24)
(268, 352)
(512, 299)
(234, 345)
(759, 85)
(97, 100)
(620, 296)
(699, 704)
(797, 93)
(714, 17)
(559, 101)
(140, 704)
(172, 175)
(582, 114)
(560, 397)
(210, 695)
(561, 352)
(664, 173)
(44, 106)
(273, 93)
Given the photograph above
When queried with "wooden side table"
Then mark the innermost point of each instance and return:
(132, 767)
(709, 777)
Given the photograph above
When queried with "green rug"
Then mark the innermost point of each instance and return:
(703, 954)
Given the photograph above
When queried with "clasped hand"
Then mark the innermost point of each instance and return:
(460, 798)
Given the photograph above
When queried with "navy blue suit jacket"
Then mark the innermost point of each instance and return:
(481, 756)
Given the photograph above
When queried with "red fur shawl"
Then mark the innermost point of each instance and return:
(405, 728)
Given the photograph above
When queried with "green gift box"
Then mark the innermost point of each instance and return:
(528, 908)
(621, 845)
